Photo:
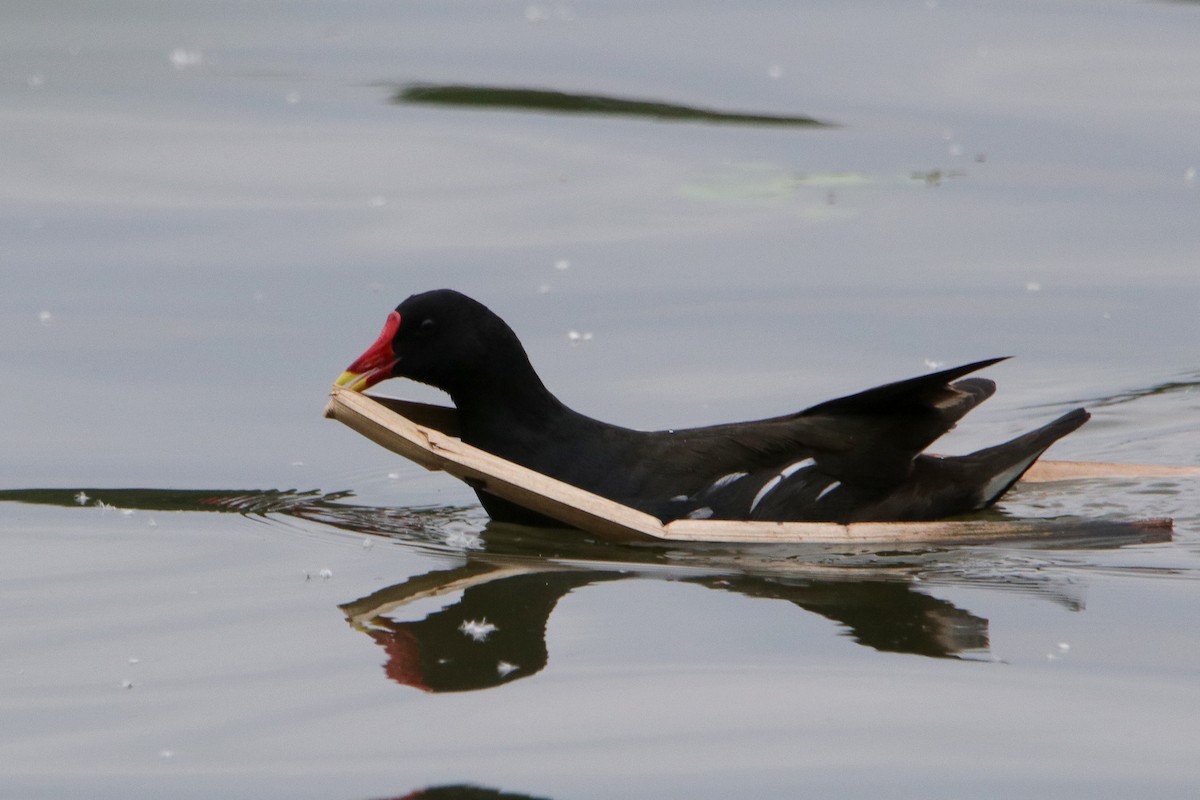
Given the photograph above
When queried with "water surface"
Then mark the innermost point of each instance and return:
(209, 208)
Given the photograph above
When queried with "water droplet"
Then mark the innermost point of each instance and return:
(1033, 286)
(477, 629)
(775, 72)
(45, 317)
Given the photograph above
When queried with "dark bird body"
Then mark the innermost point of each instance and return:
(856, 458)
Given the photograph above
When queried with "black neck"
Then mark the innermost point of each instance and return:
(505, 403)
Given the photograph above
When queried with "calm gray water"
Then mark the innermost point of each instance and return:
(209, 208)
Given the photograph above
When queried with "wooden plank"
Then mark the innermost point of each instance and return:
(1043, 471)
(482, 470)
(386, 424)
(382, 426)
(959, 531)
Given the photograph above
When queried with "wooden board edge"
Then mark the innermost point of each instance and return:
(935, 532)
(386, 428)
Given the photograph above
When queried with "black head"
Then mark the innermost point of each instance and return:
(442, 338)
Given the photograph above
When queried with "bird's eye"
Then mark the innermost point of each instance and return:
(426, 327)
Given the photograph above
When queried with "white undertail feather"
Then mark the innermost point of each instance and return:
(1003, 480)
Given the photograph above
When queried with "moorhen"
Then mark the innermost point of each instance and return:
(856, 458)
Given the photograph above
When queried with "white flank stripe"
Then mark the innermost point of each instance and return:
(786, 472)
(829, 489)
(700, 513)
(768, 486)
(725, 480)
(791, 469)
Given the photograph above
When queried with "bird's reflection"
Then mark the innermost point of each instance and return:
(490, 626)
(495, 632)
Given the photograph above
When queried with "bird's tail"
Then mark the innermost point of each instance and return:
(994, 470)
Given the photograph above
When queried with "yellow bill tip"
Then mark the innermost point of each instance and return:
(354, 381)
